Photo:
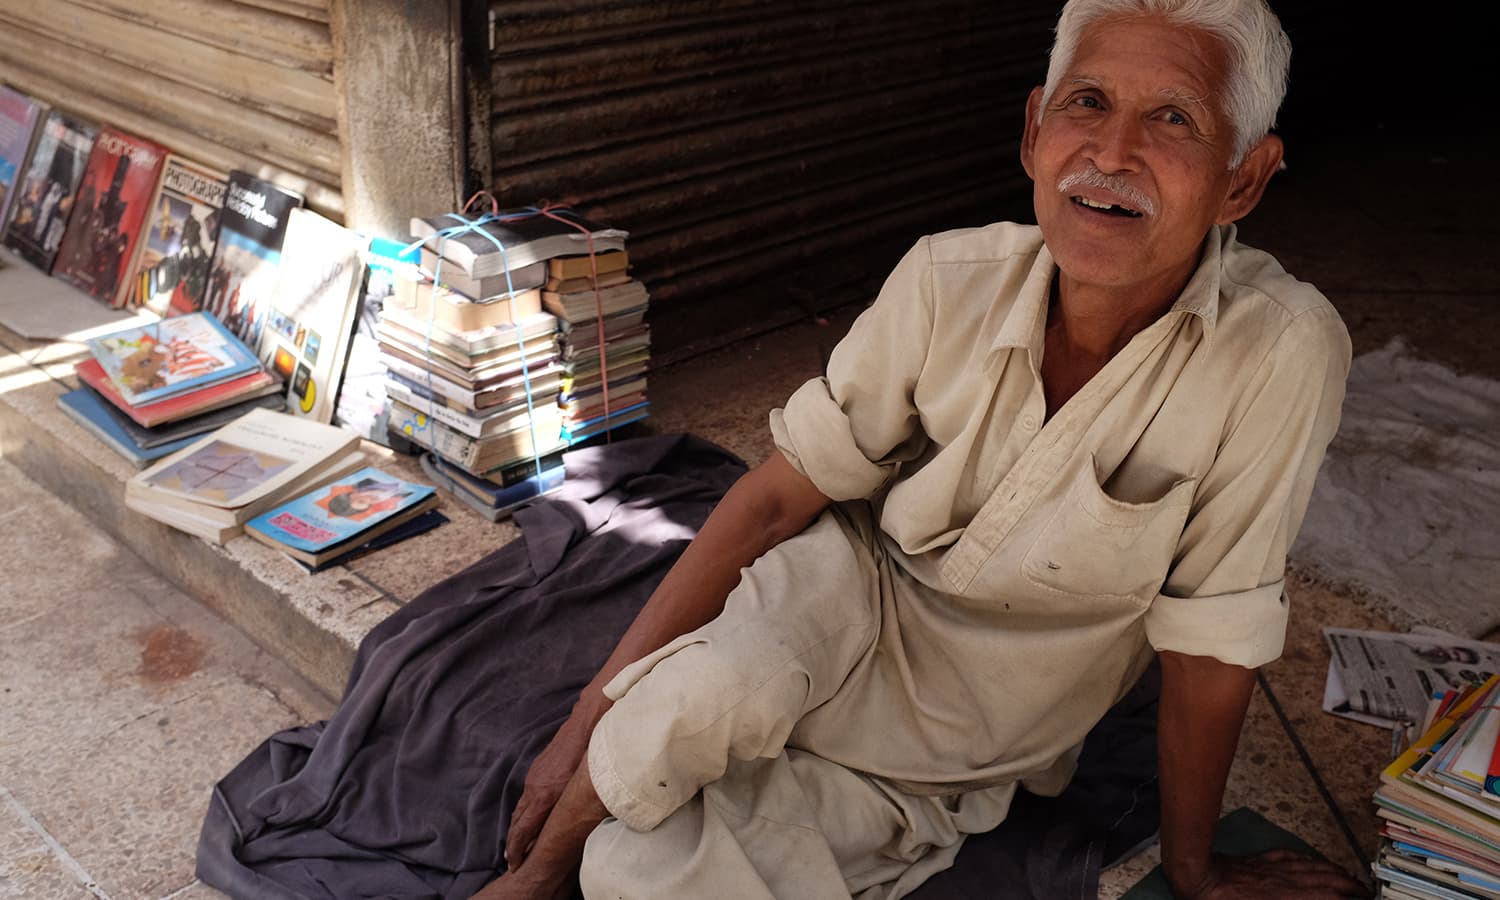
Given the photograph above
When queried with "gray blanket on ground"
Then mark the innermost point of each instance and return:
(407, 791)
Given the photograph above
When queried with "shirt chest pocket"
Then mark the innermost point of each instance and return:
(1095, 545)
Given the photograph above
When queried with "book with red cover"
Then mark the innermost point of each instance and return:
(183, 405)
(99, 248)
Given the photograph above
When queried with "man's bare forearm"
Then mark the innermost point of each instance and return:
(1203, 703)
(768, 505)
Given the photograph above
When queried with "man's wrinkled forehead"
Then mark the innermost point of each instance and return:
(1175, 64)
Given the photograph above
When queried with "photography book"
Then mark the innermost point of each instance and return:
(321, 525)
(247, 254)
(170, 277)
(45, 197)
(310, 319)
(171, 356)
(526, 237)
(20, 117)
(109, 213)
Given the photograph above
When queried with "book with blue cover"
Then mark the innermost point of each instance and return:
(338, 517)
(91, 411)
(171, 357)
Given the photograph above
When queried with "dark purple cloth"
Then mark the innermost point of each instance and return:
(406, 792)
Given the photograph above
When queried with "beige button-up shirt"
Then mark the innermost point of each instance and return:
(1040, 560)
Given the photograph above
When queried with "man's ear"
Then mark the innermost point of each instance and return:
(1248, 181)
(1028, 134)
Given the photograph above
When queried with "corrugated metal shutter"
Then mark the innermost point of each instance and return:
(245, 84)
(737, 139)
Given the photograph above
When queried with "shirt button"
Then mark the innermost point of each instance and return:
(1028, 423)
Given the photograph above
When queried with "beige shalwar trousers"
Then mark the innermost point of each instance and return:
(709, 766)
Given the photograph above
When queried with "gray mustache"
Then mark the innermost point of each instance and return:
(1092, 177)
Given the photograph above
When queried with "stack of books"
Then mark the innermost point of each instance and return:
(150, 390)
(472, 360)
(218, 483)
(480, 391)
(1440, 802)
(599, 304)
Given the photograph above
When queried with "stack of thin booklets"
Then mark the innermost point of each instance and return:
(348, 518)
(212, 487)
(1440, 802)
(599, 304)
(150, 390)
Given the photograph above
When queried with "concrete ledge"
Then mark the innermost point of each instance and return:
(313, 622)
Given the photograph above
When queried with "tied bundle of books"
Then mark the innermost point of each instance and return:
(151, 390)
(215, 485)
(482, 400)
(348, 518)
(472, 360)
(599, 306)
(1440, 803)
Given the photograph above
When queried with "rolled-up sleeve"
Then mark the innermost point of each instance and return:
(1223, 597)
(849, 430)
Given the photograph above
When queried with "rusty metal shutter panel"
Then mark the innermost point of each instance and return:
(735, 139)
(232, 84)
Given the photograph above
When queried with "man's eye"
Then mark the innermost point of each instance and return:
(1087, 102)
(1174, 117)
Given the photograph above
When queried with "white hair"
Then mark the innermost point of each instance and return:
(1259, 53)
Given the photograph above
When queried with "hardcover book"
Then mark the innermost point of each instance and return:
(256, 383)
(526, 239)
(310, 320)
(246, 460)
(109, 213)
(170, 277)
(19, 117)
(88, 409)
(45, 198)
(172, 356)
(341, 515)
(247, 253)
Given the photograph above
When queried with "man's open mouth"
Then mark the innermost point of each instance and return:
(1112, 209)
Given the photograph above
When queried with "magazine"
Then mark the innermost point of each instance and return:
(171, 276)
(346, 510)
(99, 246)
(19, 115)
(149, 362)
(247, 253)
(1386, 678)
(46, 194)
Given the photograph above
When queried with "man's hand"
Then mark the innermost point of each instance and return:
(553, 768)
(551, 865)
(1277, 875)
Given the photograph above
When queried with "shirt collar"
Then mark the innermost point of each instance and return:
(1027, 320)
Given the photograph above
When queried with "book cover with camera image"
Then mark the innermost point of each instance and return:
(171, 274)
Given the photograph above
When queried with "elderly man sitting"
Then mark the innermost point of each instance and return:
(1042, 456)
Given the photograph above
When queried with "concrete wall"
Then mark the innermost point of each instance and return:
(403, 113)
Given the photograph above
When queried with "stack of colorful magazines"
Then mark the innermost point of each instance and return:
(150, 390)
(1440, 803)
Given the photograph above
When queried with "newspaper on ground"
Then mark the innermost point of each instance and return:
(1390, 679)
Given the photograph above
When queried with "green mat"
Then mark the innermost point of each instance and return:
(1243, 832)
